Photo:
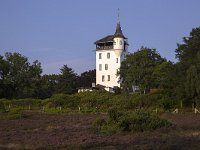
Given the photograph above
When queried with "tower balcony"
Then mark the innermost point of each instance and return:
(104, 47)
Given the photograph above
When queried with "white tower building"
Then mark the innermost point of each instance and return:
(110, 52)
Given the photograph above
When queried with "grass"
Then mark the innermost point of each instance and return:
(12, 114)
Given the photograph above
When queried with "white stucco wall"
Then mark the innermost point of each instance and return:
(112, 68)
(118, 43)
(117, 52)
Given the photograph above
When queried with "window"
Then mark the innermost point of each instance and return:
(103, 78)
(100, 67)
(100, 55)
(108, 55)
(108, 77)
(106, 66)
(116, 60)
(120, 42)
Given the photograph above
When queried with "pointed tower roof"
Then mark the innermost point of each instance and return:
(118, 32)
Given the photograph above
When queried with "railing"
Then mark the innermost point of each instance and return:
(104, 47)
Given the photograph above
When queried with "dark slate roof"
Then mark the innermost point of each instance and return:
(108, 38)
(118, 32)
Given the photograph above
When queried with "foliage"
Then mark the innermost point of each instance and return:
(2, 107)
(12, 114)
(86, 78)
(18, 77)
(98, 101)
(138, 68)
(130, 121)
(66, 81)
(193, 82)
(21, 79)
(188, 54)
(65, 101)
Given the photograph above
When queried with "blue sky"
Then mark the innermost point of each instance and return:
(59, 32)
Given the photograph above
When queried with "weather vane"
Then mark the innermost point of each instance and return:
(118, 13)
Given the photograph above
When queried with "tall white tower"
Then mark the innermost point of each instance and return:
(110, 52)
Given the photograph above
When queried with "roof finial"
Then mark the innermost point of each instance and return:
(118, 13)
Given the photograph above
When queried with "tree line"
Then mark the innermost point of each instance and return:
(181, 80)
(21, 79)
(144, 68)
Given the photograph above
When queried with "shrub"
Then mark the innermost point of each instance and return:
(64, 100)
(142, 121)
(12, 114)
(114, 114)
(2, 107)
(130, 122)
(99, 101)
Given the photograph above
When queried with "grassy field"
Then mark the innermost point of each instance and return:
(39, 130)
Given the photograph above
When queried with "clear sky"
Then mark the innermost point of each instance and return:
(59, 32)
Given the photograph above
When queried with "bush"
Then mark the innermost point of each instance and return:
(63, 100)
(98, 101)
(130, 122)
(15, 113)
(2, 107)
(114, 114)
(141, 121)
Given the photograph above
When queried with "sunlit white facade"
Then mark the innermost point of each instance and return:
(110, 52)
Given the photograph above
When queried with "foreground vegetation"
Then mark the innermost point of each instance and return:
(130, 122)
(133, 113)
(41, 130)
(97, 102)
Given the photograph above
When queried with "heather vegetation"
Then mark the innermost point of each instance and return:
(138, 121)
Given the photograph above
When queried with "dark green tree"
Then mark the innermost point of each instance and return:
(187, 52)
(34, 80)
(66, 80)
(3, 72)
(192, 84)
(19, 78)
(163, 75)
(138, 68)
(188, 55)
(49, 85)
(86, 78)
(15, 80)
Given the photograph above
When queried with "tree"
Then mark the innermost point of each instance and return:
(138, 68)
(188, 55)
(3, 71)
(193, 83)
(19, 78)
(66, 81)
(187, 52)
(163, 75)
(49, 85)
(34, 80)
(15, 80)
(86, 78)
